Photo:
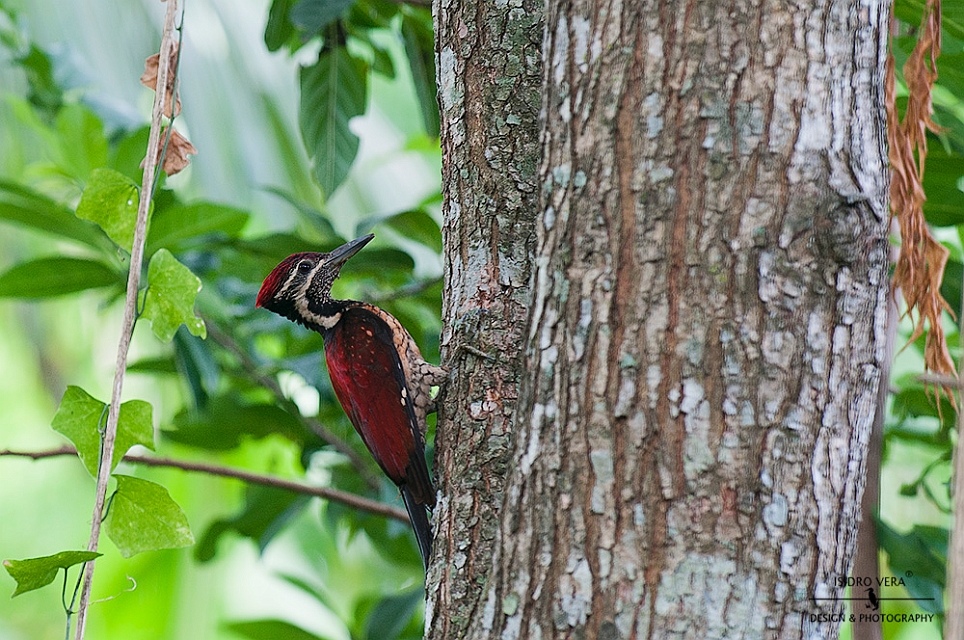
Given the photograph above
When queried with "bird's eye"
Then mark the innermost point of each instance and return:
(304, 266)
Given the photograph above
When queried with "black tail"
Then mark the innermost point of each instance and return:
(418, 514)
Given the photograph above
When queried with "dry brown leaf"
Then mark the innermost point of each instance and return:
(149, 79)
(920, 265)
(178, 150)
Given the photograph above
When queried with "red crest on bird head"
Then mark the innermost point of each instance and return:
(279, 275)
(293, 272)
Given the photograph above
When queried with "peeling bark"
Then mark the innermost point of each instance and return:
(706, 327)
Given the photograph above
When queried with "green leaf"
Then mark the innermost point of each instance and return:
(420, 49)
(943, 206)
(382, 63)
(110, 201)
(195, 361)
(82, 142)
(909, 490)
(225, 421)
(279, 29)
(79, 419)
(169, 301)
(418, 226)
(312, 16)
(333, 91)
(316, 222)
(952, 18)
(44, 91)
(270, 630)
(392, 614)
(34, 573)
(49, 277)
(919, 557)
(30, 209)
(164, 365)
(180, 227)
(384, 263)
(128, 153)
(265, 512)
(371, 15)
(144, 517)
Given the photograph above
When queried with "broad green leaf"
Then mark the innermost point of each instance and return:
(372, 14)
(154, 366)
(44, 91)
(919, 557)
(913, 401)
(951, 74)
(312, 16)
(420, 49)
(318, 224)
(265, 512)
(945, 201)
(952, 16)
(196, 363)
(169, 301)
(392, 614)
(279, 29)
(144, 517)
(270, 630)
(176, 227)
(333, 91)
(382, 63)
(127, 154)
(252, 260)
(80, 418)
(33, 573)
(951, 285)
(110, 201)
(30, 209)
(49, 277)
(418, 226)
(383, 263)
(82, 142)
(290, 150)
(225, 421)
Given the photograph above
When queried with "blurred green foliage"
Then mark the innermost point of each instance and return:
(69, 184)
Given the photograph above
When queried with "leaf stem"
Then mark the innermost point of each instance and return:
(130, 309)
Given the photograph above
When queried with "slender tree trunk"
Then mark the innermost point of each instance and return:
(866, 556)
(706, 326)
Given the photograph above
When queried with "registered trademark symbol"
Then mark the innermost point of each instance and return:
(909, 574)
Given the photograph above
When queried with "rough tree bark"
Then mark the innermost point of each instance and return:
(490, 74)
(706, 325)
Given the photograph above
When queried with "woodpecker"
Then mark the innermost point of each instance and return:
(376, 369)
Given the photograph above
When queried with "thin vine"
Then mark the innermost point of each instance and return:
(130, 310)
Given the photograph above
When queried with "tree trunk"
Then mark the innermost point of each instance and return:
(706, 325)
(490, 75)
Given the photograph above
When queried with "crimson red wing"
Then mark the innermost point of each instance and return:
(368, 379)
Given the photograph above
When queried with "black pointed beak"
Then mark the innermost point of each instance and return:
(340, 255)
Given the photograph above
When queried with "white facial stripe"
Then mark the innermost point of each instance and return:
(287, 284)
(311, 276)
(325, 321)
(303, 289)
